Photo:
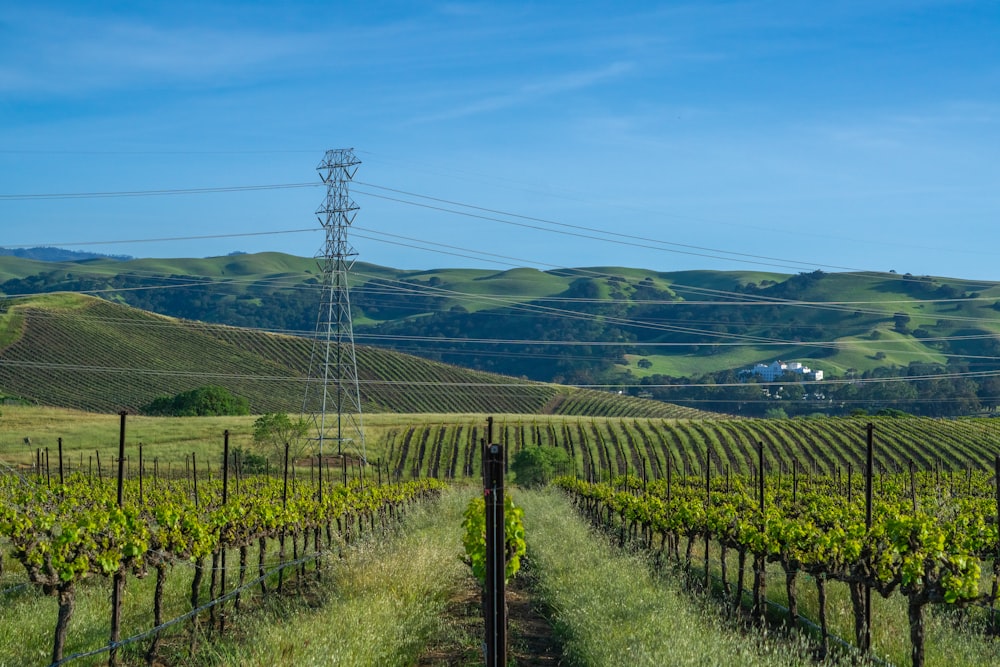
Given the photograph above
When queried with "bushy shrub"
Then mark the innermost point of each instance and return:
(537, 466)
(208, 401)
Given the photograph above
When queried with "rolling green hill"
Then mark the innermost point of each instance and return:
(70, 350)
(634, 328)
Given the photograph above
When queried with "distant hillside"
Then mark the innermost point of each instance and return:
(651, 332)
(44, 254)
(77, 351)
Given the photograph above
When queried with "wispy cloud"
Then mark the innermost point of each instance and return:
(55, 54)
(531, 92)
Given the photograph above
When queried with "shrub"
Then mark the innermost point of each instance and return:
(208, 401)
(537, 466)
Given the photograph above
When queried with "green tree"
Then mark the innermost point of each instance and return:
(208, 401)
(891, 412)
(989, 392)
(537, 466)
(250, 463)
(274, 430)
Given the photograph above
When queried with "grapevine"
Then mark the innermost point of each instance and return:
(924, 542)
(474, 538)
(77, 530)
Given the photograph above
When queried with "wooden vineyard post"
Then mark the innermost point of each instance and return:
(708, 504)
(669, 478)
(795, 481)
(869, 482)
(140, 474)
(281, 538)
(850, 483)
(996, 557)
(194, 477)
(62, 479)
(222, 549)
(760, 560)
(118, 581)
(495, 602)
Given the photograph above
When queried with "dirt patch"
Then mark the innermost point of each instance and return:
(460, 644)
(530, 640)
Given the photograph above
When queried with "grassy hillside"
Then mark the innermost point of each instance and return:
(76, 351)
(593, 325)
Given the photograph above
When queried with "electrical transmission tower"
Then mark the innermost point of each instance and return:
(332, 385)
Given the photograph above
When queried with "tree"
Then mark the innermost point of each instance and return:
(891, 412)
(989, 392)
(537, 466)
(208, 401)
(250, 463)
(274, 430)
(644, 363)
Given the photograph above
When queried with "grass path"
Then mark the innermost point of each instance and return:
(608, 609)
(380, 605)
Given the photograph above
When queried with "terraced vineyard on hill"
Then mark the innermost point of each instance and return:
(80, 352)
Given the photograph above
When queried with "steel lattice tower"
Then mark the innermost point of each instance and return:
(333, 370)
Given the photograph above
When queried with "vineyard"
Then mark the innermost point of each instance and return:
(65, 535)
(85, 353)
(926, 541)
(214, 538)
(601, 448)
(446, 446)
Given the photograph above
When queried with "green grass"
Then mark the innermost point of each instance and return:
(11, 328)
(647, 607)
(898, 349)
(686, 365)
(610, 610)
(380, 605)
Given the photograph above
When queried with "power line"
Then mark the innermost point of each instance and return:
(153, 193)
(531, 309)
(537, 307)
(167, 238)
(556, 223)
(508, 218)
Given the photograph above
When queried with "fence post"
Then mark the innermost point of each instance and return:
(496, 563)
(118, 581)
(869, 481)
(222, 547)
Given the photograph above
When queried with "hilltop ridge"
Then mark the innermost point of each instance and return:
(641, 330)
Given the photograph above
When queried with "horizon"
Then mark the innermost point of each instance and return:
(713, 136)
(86, 255)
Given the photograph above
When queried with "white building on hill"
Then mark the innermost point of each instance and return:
(774, 370)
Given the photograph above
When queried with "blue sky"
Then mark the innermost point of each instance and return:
(783, 136)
